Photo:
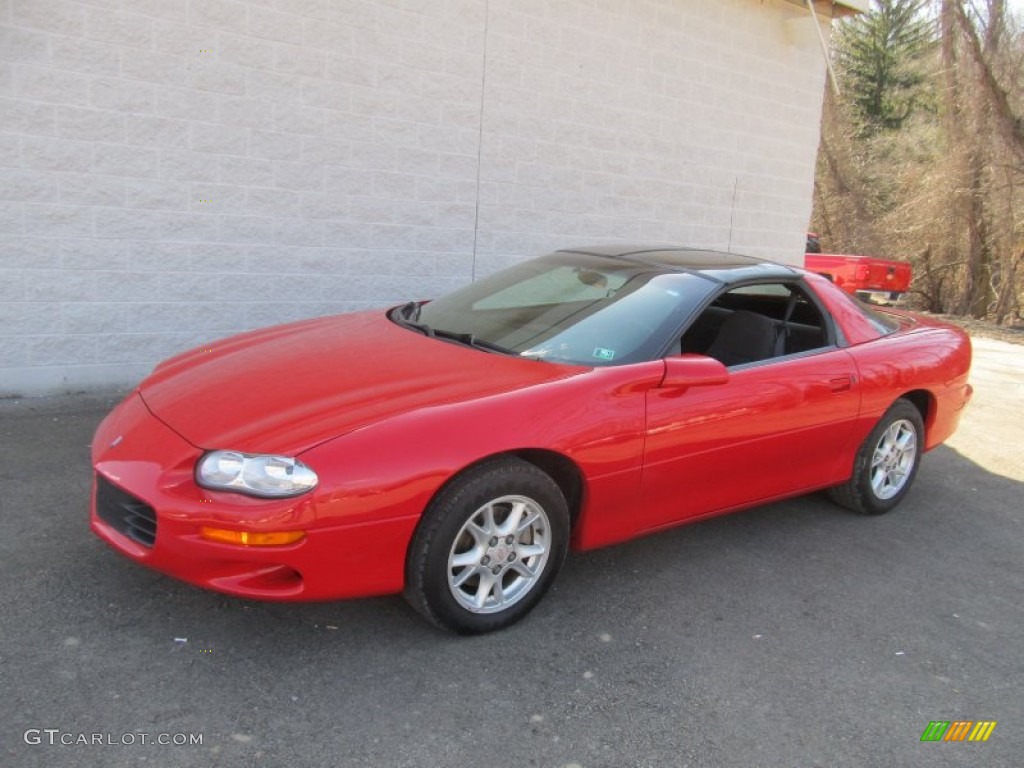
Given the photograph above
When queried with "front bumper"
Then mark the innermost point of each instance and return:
(141, 464)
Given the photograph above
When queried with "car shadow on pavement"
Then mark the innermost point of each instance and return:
(796, 618)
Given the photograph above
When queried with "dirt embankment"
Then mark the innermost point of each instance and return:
(1011, 333)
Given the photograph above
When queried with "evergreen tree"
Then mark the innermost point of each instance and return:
(880, 56)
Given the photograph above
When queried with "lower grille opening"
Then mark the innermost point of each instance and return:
(124, 513)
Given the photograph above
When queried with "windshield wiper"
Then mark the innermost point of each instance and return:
(472, 341)
(405, 316)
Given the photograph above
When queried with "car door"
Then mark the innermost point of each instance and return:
(776, 427)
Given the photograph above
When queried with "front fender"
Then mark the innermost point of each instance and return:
(393, 469)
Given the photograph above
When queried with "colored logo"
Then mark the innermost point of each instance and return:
(958, 730)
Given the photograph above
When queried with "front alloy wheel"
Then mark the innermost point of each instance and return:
(499, 554)
(488, 547)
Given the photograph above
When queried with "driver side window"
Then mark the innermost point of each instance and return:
(757, 322)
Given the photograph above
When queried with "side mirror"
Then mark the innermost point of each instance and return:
(693, 371)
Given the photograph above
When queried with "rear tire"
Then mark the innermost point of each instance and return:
(488, 547)
(886, 463)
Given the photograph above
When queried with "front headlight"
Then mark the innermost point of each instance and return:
(256, 475)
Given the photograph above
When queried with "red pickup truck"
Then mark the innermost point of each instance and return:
(870, 278)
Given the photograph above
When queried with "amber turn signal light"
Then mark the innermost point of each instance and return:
(250, 538)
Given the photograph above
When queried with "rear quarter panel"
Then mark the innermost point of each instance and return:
(930, 359)
(925, 358)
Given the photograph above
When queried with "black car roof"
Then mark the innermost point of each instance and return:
(720, 266)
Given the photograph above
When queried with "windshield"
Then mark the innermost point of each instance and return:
(570, 308)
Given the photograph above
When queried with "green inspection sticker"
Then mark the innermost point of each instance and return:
(604, 354)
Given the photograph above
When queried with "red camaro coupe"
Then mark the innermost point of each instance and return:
(455, 449)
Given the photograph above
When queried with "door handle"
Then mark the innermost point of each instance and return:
(841, 383)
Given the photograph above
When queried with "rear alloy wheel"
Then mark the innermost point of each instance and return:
(886, 463)
(488, 547)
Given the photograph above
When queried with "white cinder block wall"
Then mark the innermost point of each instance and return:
(172, 171)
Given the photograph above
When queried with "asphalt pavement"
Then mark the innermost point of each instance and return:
(795, 634)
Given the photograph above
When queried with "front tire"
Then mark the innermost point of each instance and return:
(886, 463)
(488, 547)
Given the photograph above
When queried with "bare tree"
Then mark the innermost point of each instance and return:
(937, 182)
(987, 139)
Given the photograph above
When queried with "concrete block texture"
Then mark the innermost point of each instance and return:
(172, 171)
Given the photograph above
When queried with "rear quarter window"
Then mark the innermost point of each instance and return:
(883, 323)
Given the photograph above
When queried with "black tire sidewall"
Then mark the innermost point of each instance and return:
(444, 519)
(871, 503)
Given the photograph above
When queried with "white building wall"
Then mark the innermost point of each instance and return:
(172, 171)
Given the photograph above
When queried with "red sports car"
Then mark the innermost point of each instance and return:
(455, 449)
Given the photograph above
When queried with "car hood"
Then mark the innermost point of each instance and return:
(288, 388)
